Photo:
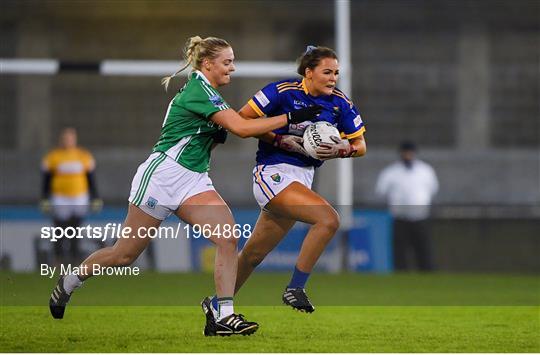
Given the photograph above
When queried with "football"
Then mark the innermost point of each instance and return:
(317, 133)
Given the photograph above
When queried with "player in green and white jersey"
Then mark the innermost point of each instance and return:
(174, 179)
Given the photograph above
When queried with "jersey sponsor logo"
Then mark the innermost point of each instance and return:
(276, 177)
(216, 100)
(357, 121)
(70, 167)
(151, 202)
(299, 104)
(261, 97)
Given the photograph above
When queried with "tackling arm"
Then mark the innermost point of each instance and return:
(232, 121)
(286, 142)
(249, 113)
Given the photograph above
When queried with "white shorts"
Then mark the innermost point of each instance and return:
(64, 207)
(161, 185)
(270, 180)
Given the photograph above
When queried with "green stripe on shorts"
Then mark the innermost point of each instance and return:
(146, 178)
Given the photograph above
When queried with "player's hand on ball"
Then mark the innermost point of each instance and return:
(290, 143)
(341, 149)
(304, 114)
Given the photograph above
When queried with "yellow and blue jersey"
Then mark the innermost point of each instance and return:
(288, 95)
(68, 169)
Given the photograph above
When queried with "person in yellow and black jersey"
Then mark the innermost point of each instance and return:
(68, 190)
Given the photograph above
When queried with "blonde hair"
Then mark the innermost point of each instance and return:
(195, 51)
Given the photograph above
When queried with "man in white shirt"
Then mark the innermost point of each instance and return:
(408, 186)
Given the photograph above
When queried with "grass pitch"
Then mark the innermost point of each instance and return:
(355, 313)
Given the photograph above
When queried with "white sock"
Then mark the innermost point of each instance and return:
(71, 282)
(225, 307)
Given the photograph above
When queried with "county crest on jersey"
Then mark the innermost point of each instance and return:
(288, 95)
(186, 134)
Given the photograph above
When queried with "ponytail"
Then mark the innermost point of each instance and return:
(195, 51)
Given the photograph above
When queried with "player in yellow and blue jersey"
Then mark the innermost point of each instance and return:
(68, 189)
(283, 175)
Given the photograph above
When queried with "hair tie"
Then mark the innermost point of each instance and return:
(309, 49)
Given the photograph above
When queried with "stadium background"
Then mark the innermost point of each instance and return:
(461, 78)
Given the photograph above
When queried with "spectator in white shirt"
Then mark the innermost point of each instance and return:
(408, 186)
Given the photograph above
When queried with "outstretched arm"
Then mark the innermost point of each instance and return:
(233, 122)
(249, 113)
(286, 142)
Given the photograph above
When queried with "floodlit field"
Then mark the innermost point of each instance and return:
(355, 313)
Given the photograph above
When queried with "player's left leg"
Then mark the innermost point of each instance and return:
(269, 230)
(300, 203)
(124, 252)
(208, 208)
(267, 233)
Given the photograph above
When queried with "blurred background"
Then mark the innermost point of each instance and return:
(459, 78)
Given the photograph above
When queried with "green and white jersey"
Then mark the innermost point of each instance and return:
(186, 134)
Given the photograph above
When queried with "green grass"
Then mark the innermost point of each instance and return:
(264, 289)
(355, 313)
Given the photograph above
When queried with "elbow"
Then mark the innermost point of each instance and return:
(241, 132)
(361, 151)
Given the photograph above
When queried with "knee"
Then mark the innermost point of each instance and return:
(330, 222)
(253, 258)
(223, 242)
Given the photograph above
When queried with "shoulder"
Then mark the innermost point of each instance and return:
(339, 97)
(86, 158)
(56, 154)
(428, 168)
(50, 156)
(395, 168)
(288, 84)
(423, 165)
(199, 89)
(85, 155)
(424, 169)
(196, 84)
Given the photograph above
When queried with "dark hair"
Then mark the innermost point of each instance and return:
(312, 56)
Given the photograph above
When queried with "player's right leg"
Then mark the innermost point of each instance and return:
(208, 208)
(268, 232)
(123, 252)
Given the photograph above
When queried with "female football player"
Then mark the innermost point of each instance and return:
(174, 179)
(283, 174)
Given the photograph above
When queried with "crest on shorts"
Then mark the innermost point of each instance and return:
(276, 177)
(151, 202)
(216, 100)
